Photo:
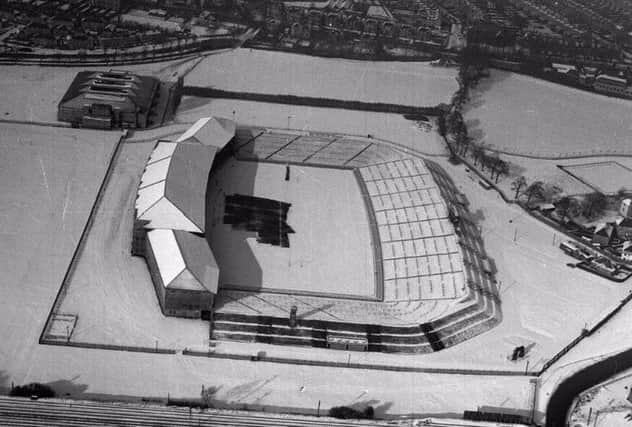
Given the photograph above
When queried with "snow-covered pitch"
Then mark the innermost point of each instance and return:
(247, 70)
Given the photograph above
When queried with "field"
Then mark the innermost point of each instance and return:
(105, 271)
(50, 180)
(247, 70)
(330, 249)
(544, 303)
(39, 237)
(605, 177)
(524, 115)
(390, 127)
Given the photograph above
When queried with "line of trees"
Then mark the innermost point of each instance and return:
(451, 125)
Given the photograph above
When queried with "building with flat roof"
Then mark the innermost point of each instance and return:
(109, 99)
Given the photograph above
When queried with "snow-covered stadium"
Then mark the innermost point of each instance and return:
(302, 238)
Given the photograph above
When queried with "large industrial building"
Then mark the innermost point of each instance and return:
(169, 221)
(109, 99)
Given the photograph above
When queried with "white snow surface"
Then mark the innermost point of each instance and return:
(247, 70)
(390, 127)
(525, 115)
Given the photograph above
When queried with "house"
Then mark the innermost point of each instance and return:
(626, 251)
(624, 228)
(625, 210)
(603, 234)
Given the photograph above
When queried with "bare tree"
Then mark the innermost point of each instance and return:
(594, 204)
(552, 193)
(535, 189)
(567, 206)
(502, 168)
(518, 184)
(477, 153)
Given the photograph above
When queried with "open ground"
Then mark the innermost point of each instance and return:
(128, 312)
(524, 115)
(330, 248)
(247, 70)
(44, 235)
(390, 127)
(541, 297)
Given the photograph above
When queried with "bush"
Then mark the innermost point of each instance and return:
(32, 389)
(346, 413)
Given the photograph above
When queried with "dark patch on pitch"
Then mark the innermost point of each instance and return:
(266, 217)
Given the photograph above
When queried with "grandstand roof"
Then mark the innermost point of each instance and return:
(172, 191)
(212, 131)
(184, 260)
(120, 89)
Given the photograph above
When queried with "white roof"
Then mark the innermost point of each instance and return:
(213, 131)
(172, 191)
(184, 260)
(163, 150)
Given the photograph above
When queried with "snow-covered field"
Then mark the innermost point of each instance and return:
(56, 178)
(522, 114)
(111, 291)
(50, 178)
(390, 127)
(607, 177)
(330, 249)
(248, 70)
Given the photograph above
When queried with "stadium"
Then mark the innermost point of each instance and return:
(315, 239)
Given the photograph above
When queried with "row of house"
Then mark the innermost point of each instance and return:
(591, 77)
(617, 235)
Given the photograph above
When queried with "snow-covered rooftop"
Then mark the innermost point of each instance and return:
(212, 131)
(184, 260)
(173, 187)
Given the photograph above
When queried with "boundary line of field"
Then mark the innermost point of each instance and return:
(82, 239)
(260, 357)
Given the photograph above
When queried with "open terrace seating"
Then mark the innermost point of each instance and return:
(437, 290)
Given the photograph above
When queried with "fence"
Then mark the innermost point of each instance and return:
(119, 57)
(82, 239)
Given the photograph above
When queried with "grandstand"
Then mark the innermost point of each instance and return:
(170, 218)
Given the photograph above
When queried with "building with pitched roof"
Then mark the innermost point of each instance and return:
(626, 251)
(210, 131)
(184, 272)
(170, 214)
(173, 187)
(108, 99)
(603, 234)
(624, 228)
